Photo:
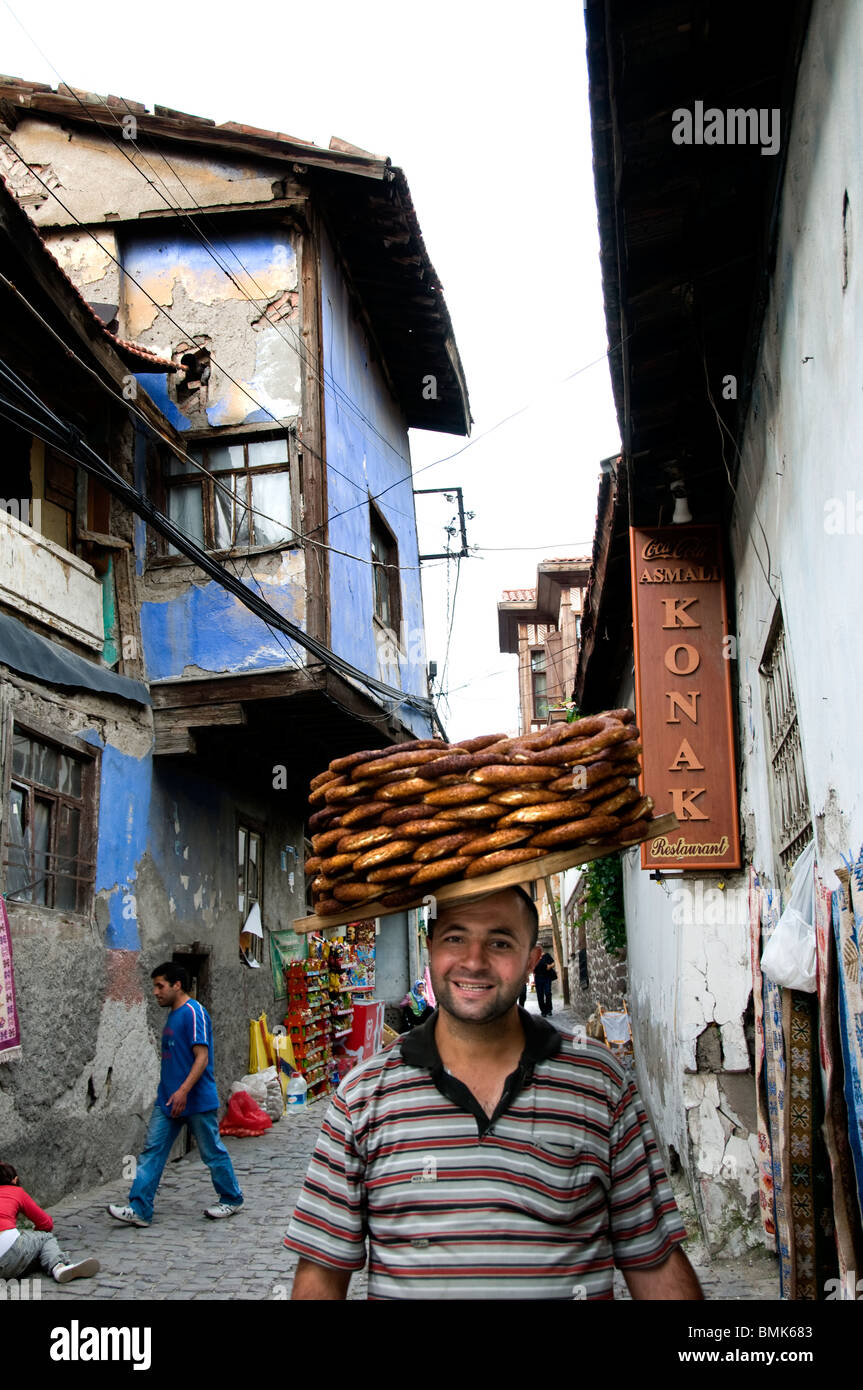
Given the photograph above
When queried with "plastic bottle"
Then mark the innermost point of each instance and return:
(295, 1093)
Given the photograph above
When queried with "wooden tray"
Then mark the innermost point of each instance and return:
(487, 883)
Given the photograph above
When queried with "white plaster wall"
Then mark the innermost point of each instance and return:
(801, 452)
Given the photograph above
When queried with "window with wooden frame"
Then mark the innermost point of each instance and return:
(49, 844)
(538, 683)
(250, 882)
(242, 495)
(792, 818)
(385, 572)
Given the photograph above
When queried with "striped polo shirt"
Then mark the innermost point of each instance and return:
(541, 1200)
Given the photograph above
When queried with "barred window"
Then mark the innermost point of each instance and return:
(792, 819)
(50, 834)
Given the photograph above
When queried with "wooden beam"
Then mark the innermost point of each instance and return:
(173, 741)
(269, 685)
(488, 883)
(198, 718)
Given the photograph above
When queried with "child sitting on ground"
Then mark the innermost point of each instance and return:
(21, 1251)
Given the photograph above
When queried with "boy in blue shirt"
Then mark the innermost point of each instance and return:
(187, 1095)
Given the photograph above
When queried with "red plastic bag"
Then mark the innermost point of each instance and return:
(244, 1117)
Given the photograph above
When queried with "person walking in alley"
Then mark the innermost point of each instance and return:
(543, 975)
(187, 1095)
(24, 1251)
(485, 1154)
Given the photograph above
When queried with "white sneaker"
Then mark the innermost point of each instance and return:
(126, 1214)
(84, 1269)
(222, 1209)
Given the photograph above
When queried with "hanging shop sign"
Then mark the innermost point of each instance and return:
(683, 695)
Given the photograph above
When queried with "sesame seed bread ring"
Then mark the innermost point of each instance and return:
(395, 763)
(604, 789)
(321, 886)
(420, 829)
(392, 873)
(352, 760)
(441, 847)
(328, 907)
(511, 776)
(321, 819)
(475, 745)
(336, 792)
(367, 810)
(609, 806)
(458, 795)
(498, 839)
(400, 897)
(313, 864)
(626, 716)
(337, 864)
(319, 795)
(633, 832)
(418, 810)
(321, 779)
(575, 832)
(528, 796)
(570, 809)
(501, 859)
(413, 789)
(457, 816)
(604, 773)
(355, 892)
(639, 811)
(366, 839)
(440, 869)
(587, 728)
(461, 763)
(325, 839)
(382, 854)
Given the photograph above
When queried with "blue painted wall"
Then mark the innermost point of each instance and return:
(355, 449)
(124, 808)
(207, 627)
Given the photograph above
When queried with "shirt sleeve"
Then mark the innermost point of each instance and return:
(329, 1223)
(41, 1220)
(645, 1224)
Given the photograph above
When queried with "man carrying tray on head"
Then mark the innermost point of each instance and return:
(484, 1154)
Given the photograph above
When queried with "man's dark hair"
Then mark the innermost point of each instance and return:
(531, 914)
(7, 1175)
(172, 972)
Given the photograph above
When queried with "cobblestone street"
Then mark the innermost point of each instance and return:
(182, 1255)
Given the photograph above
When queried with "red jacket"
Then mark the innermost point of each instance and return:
(15, 1199)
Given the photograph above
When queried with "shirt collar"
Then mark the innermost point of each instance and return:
(419, 1049)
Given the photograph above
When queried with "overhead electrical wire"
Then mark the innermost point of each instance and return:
(65, 437)
(399, 482)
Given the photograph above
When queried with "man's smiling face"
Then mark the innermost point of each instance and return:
(480, 956)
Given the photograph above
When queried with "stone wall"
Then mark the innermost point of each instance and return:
(606, 971)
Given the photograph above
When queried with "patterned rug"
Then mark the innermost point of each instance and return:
(848, 929)
(777, 1102)
(810, 1192)
(10, 1033)
(846, 1216)
(765, 1157)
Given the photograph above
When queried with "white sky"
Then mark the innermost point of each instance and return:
(485, 108)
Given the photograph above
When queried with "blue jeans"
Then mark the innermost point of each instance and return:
(162, 1132)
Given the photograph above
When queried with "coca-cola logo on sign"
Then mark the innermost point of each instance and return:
(686, 548)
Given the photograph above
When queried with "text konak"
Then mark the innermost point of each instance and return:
(683, 659)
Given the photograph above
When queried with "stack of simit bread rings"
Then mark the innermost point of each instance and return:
(391, 824)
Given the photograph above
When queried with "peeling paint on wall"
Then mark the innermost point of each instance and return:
(208, 629)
